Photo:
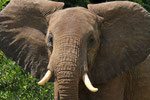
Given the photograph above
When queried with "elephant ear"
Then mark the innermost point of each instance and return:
(125, 38)
(23, 26)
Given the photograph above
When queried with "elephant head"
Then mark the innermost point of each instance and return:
(100, 42)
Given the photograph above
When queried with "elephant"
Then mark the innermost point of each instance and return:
(96, 53)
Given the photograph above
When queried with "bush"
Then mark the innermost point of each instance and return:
(74, 3)
(16, 84)
(3, 3)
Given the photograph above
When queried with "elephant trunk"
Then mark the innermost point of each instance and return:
(67, 82)
(67, 68)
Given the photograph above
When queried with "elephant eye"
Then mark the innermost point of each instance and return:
(50, 40)
(91, 41)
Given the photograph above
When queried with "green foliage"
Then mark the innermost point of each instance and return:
(16, 84)
(74, 3)
(3, 3)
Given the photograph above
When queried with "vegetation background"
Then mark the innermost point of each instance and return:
(16, 84)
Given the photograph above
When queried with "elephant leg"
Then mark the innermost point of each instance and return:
(138, 82)
(112, 90)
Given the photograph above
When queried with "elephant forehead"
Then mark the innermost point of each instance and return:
(77, 20)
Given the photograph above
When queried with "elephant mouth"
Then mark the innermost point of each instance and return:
(85, 79)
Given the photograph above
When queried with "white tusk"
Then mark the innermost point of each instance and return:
(45, 78)
(88, 83)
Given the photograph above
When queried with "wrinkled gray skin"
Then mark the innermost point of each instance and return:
(109, 41)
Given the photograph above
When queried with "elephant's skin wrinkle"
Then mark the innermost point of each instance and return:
(107, 42)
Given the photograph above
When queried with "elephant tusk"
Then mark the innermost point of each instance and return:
(88, 83)
(45, 78)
